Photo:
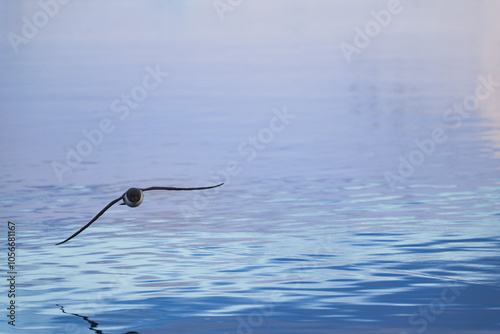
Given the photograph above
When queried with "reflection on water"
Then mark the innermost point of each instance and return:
(93, 324)
(306, 236)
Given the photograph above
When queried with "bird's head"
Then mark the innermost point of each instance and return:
(133, 197)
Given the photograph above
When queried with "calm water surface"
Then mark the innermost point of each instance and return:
(354, 201)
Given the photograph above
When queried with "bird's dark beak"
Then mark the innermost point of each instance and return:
(122, 203)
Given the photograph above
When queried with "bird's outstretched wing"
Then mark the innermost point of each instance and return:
(174, 188)
(94, 219)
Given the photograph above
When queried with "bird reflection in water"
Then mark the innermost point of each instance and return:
(93, 324)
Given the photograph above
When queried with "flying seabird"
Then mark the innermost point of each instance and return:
(133, 198)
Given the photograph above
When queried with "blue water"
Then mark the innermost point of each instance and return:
(357, 197)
